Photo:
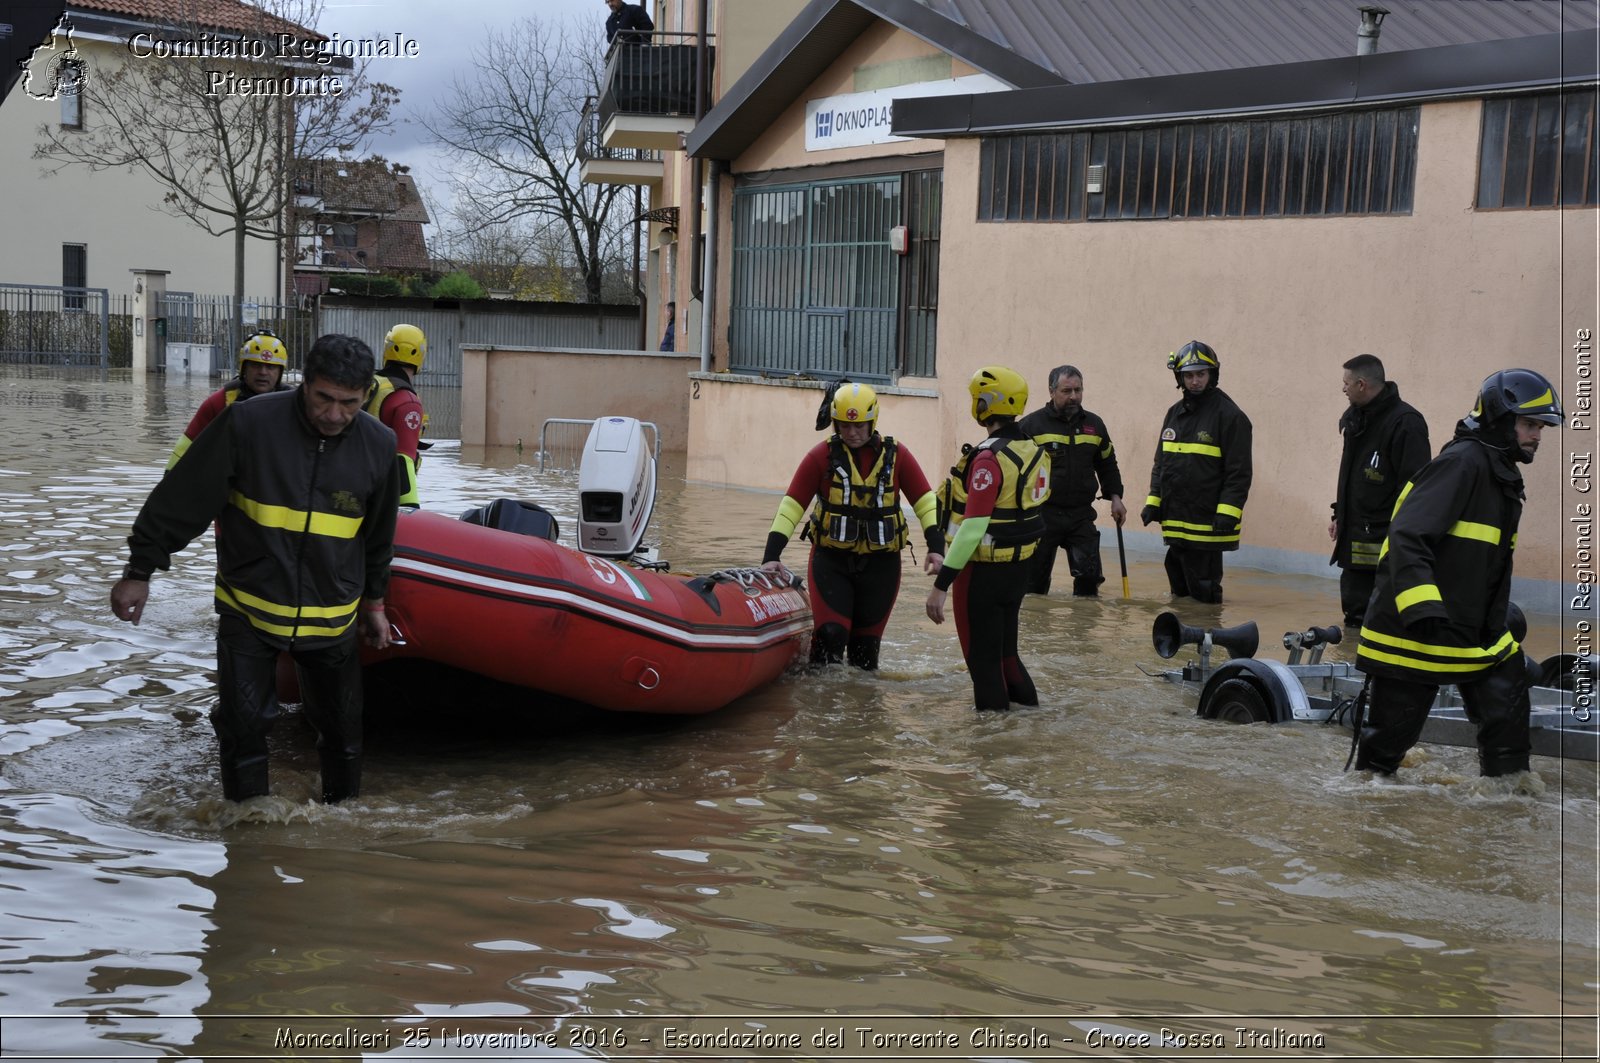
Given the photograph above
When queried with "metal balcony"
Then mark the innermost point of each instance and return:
(649, 96)
(600, 165)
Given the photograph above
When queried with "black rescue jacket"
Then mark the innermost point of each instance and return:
(305, 522)
(1385, 444)
(1202, 471)
(1447, 557)
(1081, 455)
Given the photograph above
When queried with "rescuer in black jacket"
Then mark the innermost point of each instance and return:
(1385, 443)
(1200, 479)
(1439, 613)
(304, 488)
(1082, 461)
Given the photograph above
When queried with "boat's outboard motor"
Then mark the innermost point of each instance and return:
(616, 488)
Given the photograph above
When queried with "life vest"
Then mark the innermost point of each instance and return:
(861, 511)
(384, 385)
(1016, 524)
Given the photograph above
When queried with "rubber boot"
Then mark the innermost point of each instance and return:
(862, 652)
(244, 779)
(828, 644)
(1086, 588)
(1498, 705)
(341, 777)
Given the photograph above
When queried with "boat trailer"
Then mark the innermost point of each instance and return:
(1564, 720)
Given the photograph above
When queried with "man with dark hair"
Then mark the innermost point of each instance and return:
(1385, 443)
(304, 488)
(1441, 610)
(630, 20)
(1081, 459)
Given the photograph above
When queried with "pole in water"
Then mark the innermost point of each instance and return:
(1122, 555)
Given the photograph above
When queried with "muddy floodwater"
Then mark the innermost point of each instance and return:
(840, 866)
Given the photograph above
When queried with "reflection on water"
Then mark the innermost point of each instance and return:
(522, 878)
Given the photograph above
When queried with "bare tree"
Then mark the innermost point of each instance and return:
(513, 126)
(222, 134)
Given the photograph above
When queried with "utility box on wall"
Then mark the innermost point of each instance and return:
(188, 360)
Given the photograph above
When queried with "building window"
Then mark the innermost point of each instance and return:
(816, 287)
(344, 234)
(1538, 151)
(70, 93)
(1351, 162)
(74, 275)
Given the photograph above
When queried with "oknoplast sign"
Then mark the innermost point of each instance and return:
(858, 118)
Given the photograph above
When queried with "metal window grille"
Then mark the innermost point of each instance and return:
(1349, 162)
(816, 288)
(1538, 151)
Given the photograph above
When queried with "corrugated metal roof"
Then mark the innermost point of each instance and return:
(1030, 43)
(1112, 40)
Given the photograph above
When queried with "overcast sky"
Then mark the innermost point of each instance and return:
(447, 33)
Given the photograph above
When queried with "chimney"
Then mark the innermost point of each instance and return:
(1367, 35)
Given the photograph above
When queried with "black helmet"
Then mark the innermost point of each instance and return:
(1513, 393)
(1194, 355)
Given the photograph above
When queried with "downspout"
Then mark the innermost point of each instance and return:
(697, 285)
(708, 283)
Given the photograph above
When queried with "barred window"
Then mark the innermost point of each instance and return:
(817, 287)
(1351, 162)
(1538, 151)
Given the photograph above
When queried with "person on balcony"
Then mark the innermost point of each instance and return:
(630, 20)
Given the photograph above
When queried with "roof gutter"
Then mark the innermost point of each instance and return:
(1426, 73)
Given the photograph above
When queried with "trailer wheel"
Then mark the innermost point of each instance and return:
(1237, 700)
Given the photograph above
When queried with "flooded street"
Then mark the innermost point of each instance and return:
(838, 853)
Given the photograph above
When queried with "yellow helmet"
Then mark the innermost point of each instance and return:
(855, 404)
(997, 390)
(405, 344)
(266, 348)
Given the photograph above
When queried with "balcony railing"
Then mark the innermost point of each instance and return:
(657, 76)
(591, 143)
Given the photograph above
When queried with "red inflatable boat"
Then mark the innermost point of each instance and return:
(525, 610)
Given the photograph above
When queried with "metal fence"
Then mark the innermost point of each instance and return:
(208, 320)
(485, 323)
(658, 77)
(46, 324)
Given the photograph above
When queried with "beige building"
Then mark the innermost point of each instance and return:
(1433, 204)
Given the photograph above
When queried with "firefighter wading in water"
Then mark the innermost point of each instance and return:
(857, 529)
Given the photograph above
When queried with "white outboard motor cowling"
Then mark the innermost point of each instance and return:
(616, 488)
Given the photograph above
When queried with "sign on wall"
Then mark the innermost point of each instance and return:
(858, 118)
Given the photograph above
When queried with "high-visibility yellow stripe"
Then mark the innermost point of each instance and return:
(1427, 592)
(1505, 644)
(179, 450)
(268, 516)
(320, 612)
(1543, 400)
(286, 630)
(1095, 440)
(1229, 511)
(1204, 449)
(926, 509)
(1052, 437)
(1185, 524)
(1429, 666)
(1398, 502)
(790, 514)
(1197, 537)
(1152, 500)
(1466, 529)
